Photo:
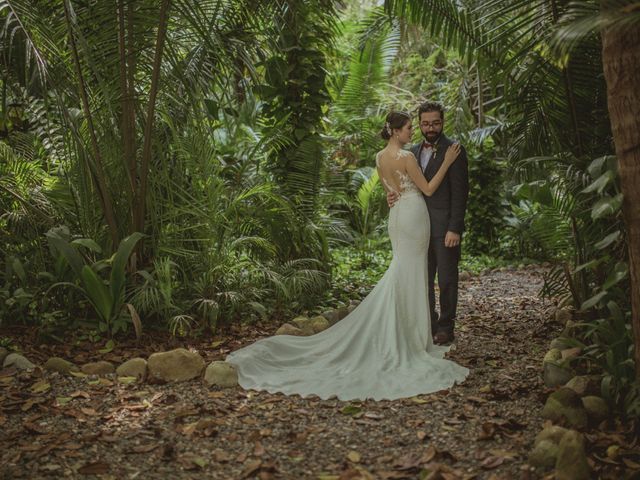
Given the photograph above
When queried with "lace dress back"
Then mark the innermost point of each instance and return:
(381, 350)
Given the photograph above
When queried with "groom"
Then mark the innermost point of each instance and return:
(446, 212)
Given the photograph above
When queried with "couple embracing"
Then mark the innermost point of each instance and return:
(393, 344)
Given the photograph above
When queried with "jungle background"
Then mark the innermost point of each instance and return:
(177, 167)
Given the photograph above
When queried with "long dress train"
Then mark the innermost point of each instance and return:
(381, 350)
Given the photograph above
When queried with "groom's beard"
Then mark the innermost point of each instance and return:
(432, 137)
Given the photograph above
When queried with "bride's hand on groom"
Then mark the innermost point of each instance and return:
(452, 153)
(392, 198)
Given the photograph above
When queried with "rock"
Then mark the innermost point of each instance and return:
(559, 344)
(60, 365)
(570, 353)
(304, 324)
(98, 368)
(584, 384)
(569, 329)
(572, 459)
(222, 374)
(175, 366)
(331, 316)
(18, 361)
(135, 367)
(464, 276)
(555, 372)
(544, 454)
(342, 312)
(564, 405)
(563, 315)
(288, 329)
(551, 433)
(596, 407)
(3, 354)
(319, 323)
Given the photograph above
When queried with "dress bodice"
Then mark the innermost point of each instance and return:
(404, 182)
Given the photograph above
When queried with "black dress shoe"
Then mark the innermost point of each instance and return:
(443, 338)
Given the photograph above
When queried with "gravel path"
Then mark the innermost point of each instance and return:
(484, 428)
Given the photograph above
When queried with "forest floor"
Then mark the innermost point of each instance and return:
(56, 426)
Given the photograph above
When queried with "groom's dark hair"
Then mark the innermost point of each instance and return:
(431, 107)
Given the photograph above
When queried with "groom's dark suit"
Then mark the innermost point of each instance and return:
(446, 212)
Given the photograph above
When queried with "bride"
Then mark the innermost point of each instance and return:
(383, 349)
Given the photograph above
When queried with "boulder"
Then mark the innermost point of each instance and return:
(175, 366)
(319, 323)
(544, 454)
(135, 367)
(570, 353)
(98, 368)
(555, 372)
(563, 315)
(596, 407)
(572, 459)
(3, 354)
(60, 365)
(18, 361)
(288, 329)
(584, 384)
(559, 343)
(464, 276)
(331, 316)
(304, 324)
(342, 312)
(553, 433)
(564, 405)
(222, 374)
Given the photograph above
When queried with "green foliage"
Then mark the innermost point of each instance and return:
(106, 296)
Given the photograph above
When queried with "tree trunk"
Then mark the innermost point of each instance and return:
(148, 128)
(621, 62)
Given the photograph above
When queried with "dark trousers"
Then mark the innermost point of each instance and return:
(443, 261)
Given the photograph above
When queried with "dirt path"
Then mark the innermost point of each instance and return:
(481, 429)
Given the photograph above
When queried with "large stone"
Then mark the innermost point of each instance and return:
(331, 316)
(304, 324)
(553, 433)
(98, 368)
(3, 354)
(135, 367)
(555, 372)
(544, 454)
(18, 361)
(175, 366)
(60, 365)
(572, 459)
(464, 276)
(564, 405)
(319, 323)
(563, 315)
(342, 312)
(596, 407)
(559, 343)
(288, 329)
(570, 353)
(222, 374)
(584, 384)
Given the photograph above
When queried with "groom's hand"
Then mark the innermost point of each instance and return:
(392, 198)
(451, 239)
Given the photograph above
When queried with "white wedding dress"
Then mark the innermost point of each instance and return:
(381, 350)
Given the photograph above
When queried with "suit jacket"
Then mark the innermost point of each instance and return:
(448, 204)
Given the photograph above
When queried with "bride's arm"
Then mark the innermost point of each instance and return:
(428, 188)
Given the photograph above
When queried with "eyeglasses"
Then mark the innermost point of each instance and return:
(436, 124)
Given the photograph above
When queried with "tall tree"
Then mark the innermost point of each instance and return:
(621, 61)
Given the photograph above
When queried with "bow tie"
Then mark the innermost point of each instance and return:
(426, 144)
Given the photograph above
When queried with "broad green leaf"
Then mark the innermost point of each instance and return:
(18, 269)
(595, 167)
(108, 347)
(601, 182)
(606, 206)
(70, 254)
(591, 302)
(351, 410)
(619, 273)
(87, 243)
(118, 267)
(608, 240)
(97, 292)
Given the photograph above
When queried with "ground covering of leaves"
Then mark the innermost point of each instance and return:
(56, 426)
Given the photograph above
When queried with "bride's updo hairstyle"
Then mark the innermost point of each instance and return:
(394, 121)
